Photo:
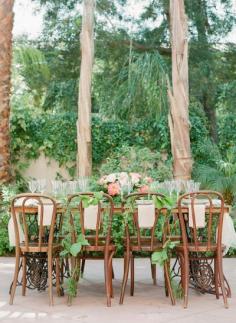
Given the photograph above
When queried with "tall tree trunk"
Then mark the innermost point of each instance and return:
(84, 154)
(6, 25)
(179, 96)
(210, 111)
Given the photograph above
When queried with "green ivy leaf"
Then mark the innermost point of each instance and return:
(159, 257)
(81, 239)
(75, 248)
(64, 253)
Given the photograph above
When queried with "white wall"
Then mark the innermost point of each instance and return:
(44, 167)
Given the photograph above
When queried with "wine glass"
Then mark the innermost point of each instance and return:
(33, 185)
(83, 184)
(72, 186)
(56, 187)
(42, 183)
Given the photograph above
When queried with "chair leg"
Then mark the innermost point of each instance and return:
(82, 267)
(125, 276)
(228, 289)
(168, 283)
(186, 279)
(62, 268)
(132, 275)
(50, 279)
(24, 275)
(15, 279)
(107, 278)
(58, 272)
(154, 273)
(181, 263)
(111, 274)
(216, 274)
(221, 280)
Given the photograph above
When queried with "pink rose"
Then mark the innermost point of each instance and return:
(148, 179)
(135, 177)
(113, 189)
(144, 189)
(111, 178)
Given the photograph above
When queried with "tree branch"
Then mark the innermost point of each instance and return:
(142, 47)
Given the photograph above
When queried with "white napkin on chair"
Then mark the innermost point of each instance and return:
(47, 218)
(11, 231)
(200, 215)
(11, 228)
(47, 214)
(228, 233)
(90, 217)
(146, 215)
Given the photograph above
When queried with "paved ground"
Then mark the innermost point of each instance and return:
(148, 304)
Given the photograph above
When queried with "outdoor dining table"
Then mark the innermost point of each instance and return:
(201, 276)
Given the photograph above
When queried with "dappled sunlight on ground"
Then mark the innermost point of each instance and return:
(148, 304)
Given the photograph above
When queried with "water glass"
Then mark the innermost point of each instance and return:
(83, 183)
(42, 184)
(33, 186)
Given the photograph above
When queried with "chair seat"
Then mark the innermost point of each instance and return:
(202, 247)
(145, 244)
(33, 247)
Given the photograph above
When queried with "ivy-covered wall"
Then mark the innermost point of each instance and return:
(54, 135)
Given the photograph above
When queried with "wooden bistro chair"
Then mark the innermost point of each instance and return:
(34, 237)
(137, 240)
(201, 230)
(94, 222)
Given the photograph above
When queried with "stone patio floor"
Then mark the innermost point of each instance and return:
(149, 303)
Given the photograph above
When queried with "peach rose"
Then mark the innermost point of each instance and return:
(144, 189)
(113, 189)
(135, 178)
(148, 179)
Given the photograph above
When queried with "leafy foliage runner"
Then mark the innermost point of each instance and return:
(71, 250)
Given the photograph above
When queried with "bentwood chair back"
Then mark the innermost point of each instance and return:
(143, 233)
(201, 217)
(95, 223)
(37, 233)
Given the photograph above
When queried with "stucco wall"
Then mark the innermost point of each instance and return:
(47, 168)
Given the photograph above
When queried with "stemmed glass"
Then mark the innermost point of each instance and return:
(33, 185)
(126, 188)
(83, 183)
(72, 187)
(42, 183)
(56, 187)
(155, 186)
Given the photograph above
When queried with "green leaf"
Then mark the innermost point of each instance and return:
(75, 248)
(81, 239)
(64, 253)
(159, 257)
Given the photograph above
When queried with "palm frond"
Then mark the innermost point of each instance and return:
(140, 88)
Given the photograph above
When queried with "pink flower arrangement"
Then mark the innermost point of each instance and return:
(148, 179)
(116, 183)
(113, 189)
(144, 189)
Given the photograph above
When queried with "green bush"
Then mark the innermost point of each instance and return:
(140, 160)
(5, 195)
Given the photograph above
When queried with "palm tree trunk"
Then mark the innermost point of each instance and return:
(6, 25)
(179, 96)
(84, 154)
